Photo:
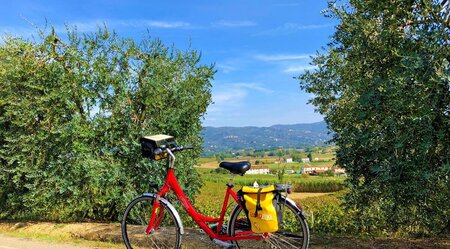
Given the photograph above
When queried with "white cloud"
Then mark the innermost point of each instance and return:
(225, 68)
(288, 28)
(253, 86)
(230, 96)
(299, 69)
(238, 63)
(234, 24)
(166, 25)
(282, 57)
(296, 26)
(92, 25)
(234, 94)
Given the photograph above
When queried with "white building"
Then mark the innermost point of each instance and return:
(305, 160)
(307, 170)
(258, 170)
(289, 160)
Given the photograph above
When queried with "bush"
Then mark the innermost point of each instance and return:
(69, 140)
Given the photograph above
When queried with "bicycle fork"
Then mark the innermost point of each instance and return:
(156, 216)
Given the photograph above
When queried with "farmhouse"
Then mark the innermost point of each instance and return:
(258, 170)
(308, 170)
(289, 160)
(305, 160)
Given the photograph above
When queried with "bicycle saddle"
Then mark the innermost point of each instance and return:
(236, 167)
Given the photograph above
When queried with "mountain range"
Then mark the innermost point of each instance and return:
(217, 139)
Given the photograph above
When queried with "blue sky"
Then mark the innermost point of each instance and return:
(257, 46)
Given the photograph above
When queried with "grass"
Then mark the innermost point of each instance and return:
(56, 233)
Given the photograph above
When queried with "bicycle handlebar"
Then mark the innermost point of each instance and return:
(181, 148)
(173, 149)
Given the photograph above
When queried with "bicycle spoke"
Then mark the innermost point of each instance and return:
(135, 223)
(278, 237)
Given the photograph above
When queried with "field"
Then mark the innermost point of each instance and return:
(318, 195)
(323, 159)
(300, 183)
(210, 173)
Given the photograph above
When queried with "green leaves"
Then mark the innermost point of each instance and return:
(71, 114)
(383, 88)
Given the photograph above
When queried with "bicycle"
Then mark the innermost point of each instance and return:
(151, 221)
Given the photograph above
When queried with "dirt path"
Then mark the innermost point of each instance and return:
(7, 242)
(108, 236)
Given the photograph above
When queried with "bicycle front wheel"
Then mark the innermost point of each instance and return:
(135, 221)
(293, 231)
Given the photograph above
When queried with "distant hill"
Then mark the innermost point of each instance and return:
(217, 139)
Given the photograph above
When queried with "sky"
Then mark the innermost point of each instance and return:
(258, 47)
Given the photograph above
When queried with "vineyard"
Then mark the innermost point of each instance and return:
(325, 210)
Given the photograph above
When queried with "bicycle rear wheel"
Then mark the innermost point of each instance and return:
(293, 231)
(135, 221)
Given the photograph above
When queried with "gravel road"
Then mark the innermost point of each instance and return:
(7, 242)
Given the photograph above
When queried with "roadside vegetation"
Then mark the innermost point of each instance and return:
(382, 84)
(72, 109)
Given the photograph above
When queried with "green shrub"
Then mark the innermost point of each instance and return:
(72, 113)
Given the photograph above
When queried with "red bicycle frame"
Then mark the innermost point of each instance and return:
(202, 220)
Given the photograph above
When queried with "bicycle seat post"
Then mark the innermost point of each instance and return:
(231, 183)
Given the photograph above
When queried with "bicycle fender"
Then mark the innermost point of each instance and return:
(172, 209)
(295, 205)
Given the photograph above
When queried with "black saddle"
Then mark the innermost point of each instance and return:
(236, 167)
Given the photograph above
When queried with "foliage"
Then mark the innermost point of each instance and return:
(280, 173)
(72, 112)
(327, 216)
(383, 87)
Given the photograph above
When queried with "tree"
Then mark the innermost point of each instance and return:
(280, 173)
(310, 157)
(219, 157)
(72, 111)
(383, 87)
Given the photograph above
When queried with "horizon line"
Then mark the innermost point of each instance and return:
(246, 126)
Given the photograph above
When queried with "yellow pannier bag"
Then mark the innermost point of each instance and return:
(261, 209)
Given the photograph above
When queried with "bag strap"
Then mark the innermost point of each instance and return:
(258, 202)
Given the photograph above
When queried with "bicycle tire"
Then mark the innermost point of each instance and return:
(135, 222)
(293, 231)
